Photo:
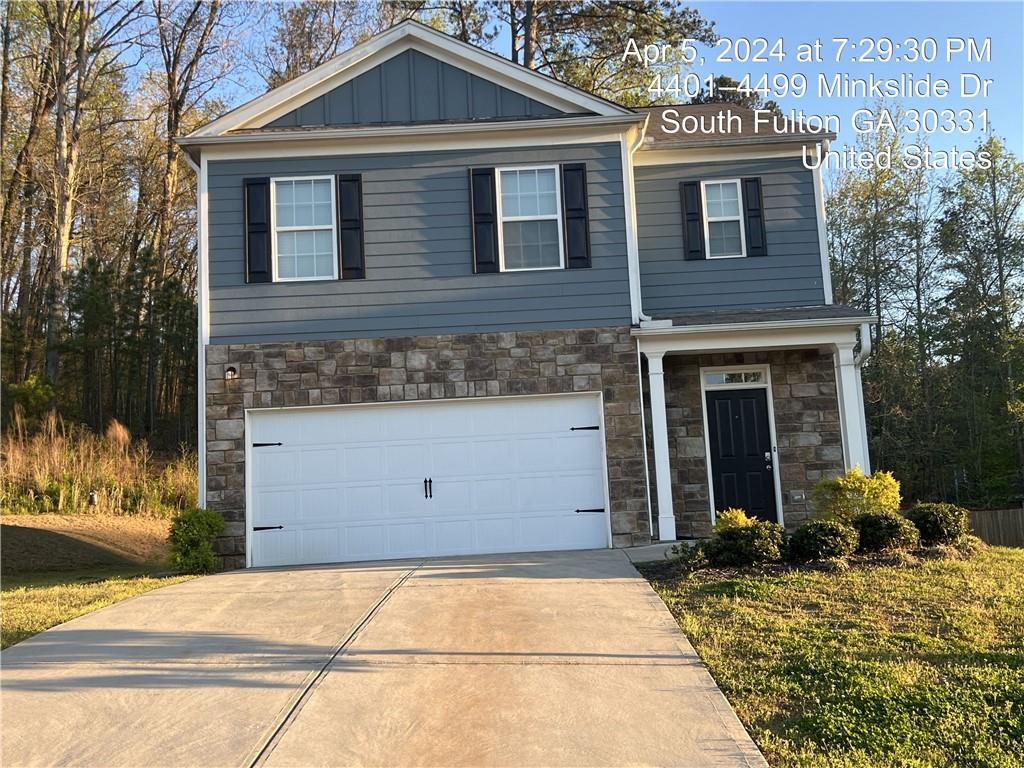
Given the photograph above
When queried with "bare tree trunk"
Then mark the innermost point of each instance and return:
(529, 35)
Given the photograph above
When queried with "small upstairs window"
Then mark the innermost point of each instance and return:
(305, 242)
(723, 219)
(530, 235)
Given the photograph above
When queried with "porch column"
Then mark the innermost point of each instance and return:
(851, 408)
(659, 424)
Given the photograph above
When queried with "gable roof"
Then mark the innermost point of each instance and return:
(279, 102)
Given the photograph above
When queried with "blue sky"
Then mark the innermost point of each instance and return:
(803, 22)
(797, 22)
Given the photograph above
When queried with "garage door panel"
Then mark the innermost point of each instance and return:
(347, 483)
(319, 505)
(409, 460)
(318, 465)
(495, 533)
(404, 498)
(363, 461)
(361, 502)
(365, 542)
(494, 493)
(276, 467)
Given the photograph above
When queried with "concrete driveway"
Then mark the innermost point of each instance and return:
(534, 660)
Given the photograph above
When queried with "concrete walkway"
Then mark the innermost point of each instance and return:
(543, 659)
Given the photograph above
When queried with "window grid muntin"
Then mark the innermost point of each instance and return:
(503, 218)
(331, 230)
(719, 219)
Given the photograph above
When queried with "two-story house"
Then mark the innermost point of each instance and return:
(449, 305)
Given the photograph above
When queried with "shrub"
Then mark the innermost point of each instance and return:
(940, 523)
(822, 540)
(732, 518)
(191, 540)
(758, 542)
(845, 497)
(881, 531)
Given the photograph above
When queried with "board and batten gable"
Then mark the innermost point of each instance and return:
(418, 254)
(788, 276)
(413, 87)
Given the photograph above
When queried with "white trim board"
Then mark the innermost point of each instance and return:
(379, 48)
(765, 384)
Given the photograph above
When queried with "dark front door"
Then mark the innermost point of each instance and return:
(741, 451)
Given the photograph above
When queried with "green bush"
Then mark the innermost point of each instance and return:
(845, 497)
(940, 523)
(823, 540)
(881, 531)
(192, 534)
(733, 517)
(759, 542)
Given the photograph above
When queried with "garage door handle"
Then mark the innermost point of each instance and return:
(425, 488)
(596, 510)
(580, 429)
(267, 527)
(264, 445)
(430, 488)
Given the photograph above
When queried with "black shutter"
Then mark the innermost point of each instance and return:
(483, 213)
(693, 220)
(350, 226)
(257, 230)
(753, 217)
(576, 217)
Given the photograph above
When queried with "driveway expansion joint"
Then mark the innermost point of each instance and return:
(259, 755)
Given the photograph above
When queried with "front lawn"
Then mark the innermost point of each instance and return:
(58, 567)
(874, 666)
(33, 604)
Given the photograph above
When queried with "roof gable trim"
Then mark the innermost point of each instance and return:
(409, 34)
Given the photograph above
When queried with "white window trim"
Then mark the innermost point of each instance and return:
(274, 229)
(556, 217)
(766, 384)
(709, 219)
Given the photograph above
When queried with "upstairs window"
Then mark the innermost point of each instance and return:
(305, 238)
(530, 234)
(723, 219)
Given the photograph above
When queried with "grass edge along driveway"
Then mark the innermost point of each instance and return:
(874, 666)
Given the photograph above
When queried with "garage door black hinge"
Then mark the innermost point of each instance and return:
(267, 527)
(595, 510)
(264, 445)
(579, 429)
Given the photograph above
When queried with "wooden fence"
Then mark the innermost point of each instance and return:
(1003, 527)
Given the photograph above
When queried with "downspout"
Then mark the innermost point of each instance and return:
(632, 235)
(201, 342)
(633, 254)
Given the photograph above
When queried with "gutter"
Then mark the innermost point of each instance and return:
(384, 131)
(792, 138)
(664, 327)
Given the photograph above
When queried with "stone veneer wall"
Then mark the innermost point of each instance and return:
(806, 423)
(424, 368)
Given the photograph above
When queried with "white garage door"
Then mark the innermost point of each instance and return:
(422, 479)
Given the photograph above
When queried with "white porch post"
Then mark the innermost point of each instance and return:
(659, 424)
(851, 408)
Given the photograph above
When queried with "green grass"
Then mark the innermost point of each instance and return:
(32, 604)
(874, 666)
(58, 567)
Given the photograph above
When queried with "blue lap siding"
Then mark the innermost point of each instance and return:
(790, 275)
(419, 274)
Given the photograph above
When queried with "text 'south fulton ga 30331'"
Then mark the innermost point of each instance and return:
(870, 127)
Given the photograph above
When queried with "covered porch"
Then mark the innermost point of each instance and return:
(750, 409)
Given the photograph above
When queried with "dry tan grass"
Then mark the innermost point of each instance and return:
(68, 469)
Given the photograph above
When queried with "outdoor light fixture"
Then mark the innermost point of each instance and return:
(230, 372)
